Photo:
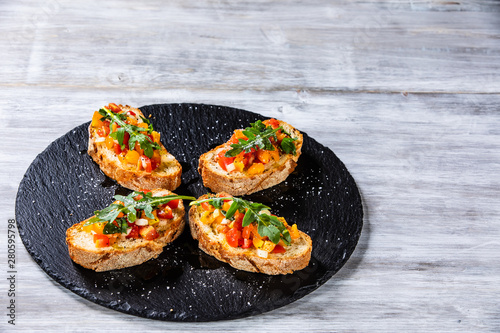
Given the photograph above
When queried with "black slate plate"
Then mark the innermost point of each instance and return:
(64, 186)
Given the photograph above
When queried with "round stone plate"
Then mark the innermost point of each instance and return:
(64, 186)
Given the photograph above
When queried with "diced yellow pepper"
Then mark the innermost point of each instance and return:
(218, 219)
(206, 217)
(282, 220)
(239, 166)
(257, 241)
(268, 246)
(155, 220)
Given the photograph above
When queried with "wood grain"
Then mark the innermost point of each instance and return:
(406, 93)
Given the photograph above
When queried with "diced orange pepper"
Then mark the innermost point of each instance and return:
(156, 137)
(132, 121)
(256, 168)
(257, 240)
(101, 240)
(294, 232)
(96, 120)
(238, 134)
(263, 155)
(95, 227)
(226, 205)
(138, 148)
(132, 157)
(110, 143)
(142, 125)
(275, 155)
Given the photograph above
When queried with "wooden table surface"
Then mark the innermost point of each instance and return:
(406, 93)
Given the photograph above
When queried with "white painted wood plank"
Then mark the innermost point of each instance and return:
(405, 93)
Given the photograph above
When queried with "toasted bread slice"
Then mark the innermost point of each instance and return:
(242, 182)
(166, 176)
(214, 243)
(125, 252)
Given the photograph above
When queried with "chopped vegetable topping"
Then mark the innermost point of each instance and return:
(130, 136)
(247, 224)
(254, 147)
(135, 215)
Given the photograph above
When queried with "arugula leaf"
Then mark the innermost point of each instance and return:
(288, 146)
(137, 134)
(259, 137)
(130, 208)
(111, 228)
(267, 225)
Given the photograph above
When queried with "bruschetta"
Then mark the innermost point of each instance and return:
(127, 149)
(247, 236)
(254, 159)
(130, 231)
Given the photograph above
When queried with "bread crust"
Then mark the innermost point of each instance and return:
(168, 177)
(125, 252)
(296, 258)
(240, 183)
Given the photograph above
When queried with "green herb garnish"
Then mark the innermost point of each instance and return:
(267, 225)
(137, 134)
(259, 137)
(129, 208)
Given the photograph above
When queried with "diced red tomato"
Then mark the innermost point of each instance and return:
(247, 243)
(279, 249)
(148, 232)
(131, 113)
(154, 164)
(117, 148)
(205, 205)
(139, 196)
(101, 240)
(104, 130)
(233, 236)
(238, 220)
(222, 228)
(126, 138)
(224, 161)
(173, 203)
(165, 212)
(272, 122)
(113, 107)
(134, 233)
(247, 231)
(146, 163)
